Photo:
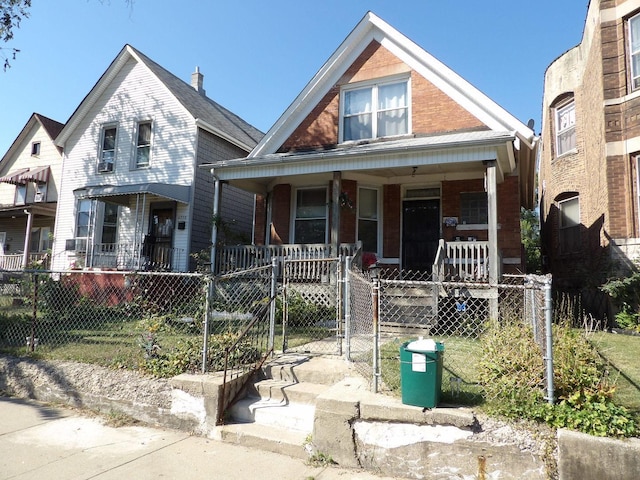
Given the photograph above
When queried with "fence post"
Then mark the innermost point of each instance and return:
(32, 339)
(347, 306)
(376, 344)
(548, 311)
(272, 305)
(208, 292)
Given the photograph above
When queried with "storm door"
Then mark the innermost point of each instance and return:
(159, 243)
(420, 234)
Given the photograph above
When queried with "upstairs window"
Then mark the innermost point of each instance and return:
(368, 219)
(21, 194)
(143, 145)
(565, 128)
(569, 225)
(35, 149)
(634, 50)
(107, 149)
(474, 208)
(376, 110)
(310, 216)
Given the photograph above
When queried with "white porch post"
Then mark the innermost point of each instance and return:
(335, 213)
(27, 238)
(492, 204)
(216, 218)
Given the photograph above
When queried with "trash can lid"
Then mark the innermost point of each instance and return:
(423, 345)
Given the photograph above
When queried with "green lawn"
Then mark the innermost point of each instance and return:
(622, 353)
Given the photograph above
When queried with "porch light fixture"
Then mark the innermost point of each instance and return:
(413, 172)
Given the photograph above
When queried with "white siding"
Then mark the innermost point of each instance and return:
(134, 95)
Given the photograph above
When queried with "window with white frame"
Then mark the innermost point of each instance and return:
(83, 223)
(368, 219)
(40, 239)
(565, 127)
(21, 194)
(375, 110)
(35, 148)
(107, 149)
(634, 50)
(110, 223)
(310, 219)
(143, 144)
(474, 208)
(569, 225)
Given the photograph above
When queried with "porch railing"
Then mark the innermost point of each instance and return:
(13, 262)
(466, 261)
(238, 257)
(131, 256)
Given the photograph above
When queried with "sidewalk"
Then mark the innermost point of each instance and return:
(43, 442)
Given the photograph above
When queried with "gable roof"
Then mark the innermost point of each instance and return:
(51, 127)
(371, 28)
(208, 114)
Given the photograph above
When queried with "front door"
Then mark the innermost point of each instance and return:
(420, 234)
(161, 229)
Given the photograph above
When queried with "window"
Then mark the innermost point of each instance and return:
(474, 208)
(110, 223)
(83, 223)
(569, 225)
(21, 194)
(565, 128)
(143, 145)
(35, 148)
(40, 239)
(374, 111)
(368, 219)
(108, 149)
(634, 50)
(311, 216)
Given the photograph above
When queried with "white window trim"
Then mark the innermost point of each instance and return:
(379, 237)
(21, 194)
(103, 129)
(134, 156)
(633, 75)
(374, 83)
(557, 131)
(294, 205)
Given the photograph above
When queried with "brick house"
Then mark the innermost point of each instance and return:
(389, 147)
(590, 155)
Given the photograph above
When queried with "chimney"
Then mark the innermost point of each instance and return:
(196, 81)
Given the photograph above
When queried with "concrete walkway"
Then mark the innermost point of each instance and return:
(43, 442)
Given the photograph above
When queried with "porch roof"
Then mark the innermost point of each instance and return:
(120, 193)
(439, 154)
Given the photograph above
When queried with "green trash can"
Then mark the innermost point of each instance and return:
(421, 372)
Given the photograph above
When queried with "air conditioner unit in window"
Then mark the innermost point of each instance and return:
(39, 197)
(105, 167)
(78, 244)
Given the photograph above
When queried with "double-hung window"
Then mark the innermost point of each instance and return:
(565, 128)
(569, 225)
(143, 145)
(310, 219)
(474, 208)
(375, 110)
(368, 219)
(110, 224)
(634, 50)
(83, 224)
(107, 149)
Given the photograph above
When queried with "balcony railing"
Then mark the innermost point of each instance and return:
(13, 262)
(464, 261)
(131, 256)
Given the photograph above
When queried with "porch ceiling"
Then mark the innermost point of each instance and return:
(459, 153)
(120, 193)
(43, 209)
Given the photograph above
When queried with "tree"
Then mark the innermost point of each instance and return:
(11, 14)
(530, 234)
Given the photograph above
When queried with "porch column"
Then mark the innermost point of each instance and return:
(216, 218)
(27, 238)
(335, 213)
(492, 205)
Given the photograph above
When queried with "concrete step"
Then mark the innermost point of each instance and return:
(267, 438)
(281, 391)
(274, 413)
(299, 368)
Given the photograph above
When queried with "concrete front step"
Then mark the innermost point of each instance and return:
(267, 438)
(299, 368)
(273, 413)
(281, 391)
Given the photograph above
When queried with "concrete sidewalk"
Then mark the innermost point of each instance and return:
(43, 442)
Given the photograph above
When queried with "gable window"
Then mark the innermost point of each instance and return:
(143, 145)
(376, 110)
(634, 50)
(310, 220)
(368, 219)
(35, 148)
(569, 225)
(565, 128)
(474, 208)
(107, 149)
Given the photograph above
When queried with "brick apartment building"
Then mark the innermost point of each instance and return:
(590, 155)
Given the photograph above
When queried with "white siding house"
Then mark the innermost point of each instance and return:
(130, 175)
(29, 183)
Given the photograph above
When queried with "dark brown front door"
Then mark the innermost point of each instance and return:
(161, 238)
(420, 234)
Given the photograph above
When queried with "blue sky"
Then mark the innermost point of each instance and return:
(257, 55)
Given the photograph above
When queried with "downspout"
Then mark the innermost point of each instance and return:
(335, 213)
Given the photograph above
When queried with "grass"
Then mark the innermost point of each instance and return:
(621, 352)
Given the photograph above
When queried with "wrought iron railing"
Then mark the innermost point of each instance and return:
(132, 256)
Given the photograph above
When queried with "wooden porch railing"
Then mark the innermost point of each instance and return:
(230, 258)
(464, 261)
(13, 262)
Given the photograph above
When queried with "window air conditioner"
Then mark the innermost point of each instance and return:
(78, 244)
(105, 167)
(39, 197)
